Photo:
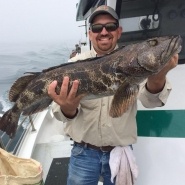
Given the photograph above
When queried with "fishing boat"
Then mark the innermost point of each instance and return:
(160, 147)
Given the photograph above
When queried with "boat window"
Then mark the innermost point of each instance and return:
(86, 7)
(142, 19)
(140, 23)
(138, 15)
(101, 2)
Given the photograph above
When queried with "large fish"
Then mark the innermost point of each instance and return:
(118, 73)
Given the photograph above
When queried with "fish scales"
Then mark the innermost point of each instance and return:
(118, 73)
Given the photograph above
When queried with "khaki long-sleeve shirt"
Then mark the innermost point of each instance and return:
(94, 125)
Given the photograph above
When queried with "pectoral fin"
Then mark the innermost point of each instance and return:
(123, 99)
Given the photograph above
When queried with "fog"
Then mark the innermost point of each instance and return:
(39, 20)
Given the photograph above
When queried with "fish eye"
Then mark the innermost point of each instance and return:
(153, 42)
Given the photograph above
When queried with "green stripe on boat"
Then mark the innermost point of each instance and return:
(161, 123)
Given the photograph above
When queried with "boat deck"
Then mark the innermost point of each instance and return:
(58, 172)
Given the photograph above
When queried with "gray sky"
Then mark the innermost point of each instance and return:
(39, 20)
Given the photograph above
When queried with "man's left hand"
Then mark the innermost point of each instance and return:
(157, 81)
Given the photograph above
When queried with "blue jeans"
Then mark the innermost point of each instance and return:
(87, 165)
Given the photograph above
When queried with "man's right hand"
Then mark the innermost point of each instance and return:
(68, 102)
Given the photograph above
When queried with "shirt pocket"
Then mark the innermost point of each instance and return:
(91, 104)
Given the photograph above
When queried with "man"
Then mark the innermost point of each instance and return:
(88, 122)
(78, 49)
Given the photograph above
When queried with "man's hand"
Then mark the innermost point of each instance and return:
(156, 82)
(68, 102)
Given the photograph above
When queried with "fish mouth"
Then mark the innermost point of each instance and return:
(154, 61)
(178, 44)
(174, 47)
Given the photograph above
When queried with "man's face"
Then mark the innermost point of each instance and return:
(104, 42)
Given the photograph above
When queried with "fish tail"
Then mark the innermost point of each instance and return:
(9, 122)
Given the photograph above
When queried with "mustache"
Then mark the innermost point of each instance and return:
(109, 35)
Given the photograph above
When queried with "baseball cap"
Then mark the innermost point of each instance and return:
(103, 9)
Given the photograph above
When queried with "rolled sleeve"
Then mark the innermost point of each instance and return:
(58, 113)
(150, 100)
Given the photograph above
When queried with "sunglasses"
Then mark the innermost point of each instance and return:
(97, 28)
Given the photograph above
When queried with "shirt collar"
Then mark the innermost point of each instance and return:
(94, 53)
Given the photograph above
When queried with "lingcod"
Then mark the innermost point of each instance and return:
(116, 74)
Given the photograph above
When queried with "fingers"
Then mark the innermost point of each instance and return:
(175, 59)
(72, 96)
(64, 87)
(74, 89)
(65, 95)
(51, 89)
(173, 62)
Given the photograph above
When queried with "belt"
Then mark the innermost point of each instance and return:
(100, 148)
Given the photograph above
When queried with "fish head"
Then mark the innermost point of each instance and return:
(154, 53)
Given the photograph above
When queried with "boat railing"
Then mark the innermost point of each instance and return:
(12, 144)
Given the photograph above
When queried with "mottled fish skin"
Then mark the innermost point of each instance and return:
(118, 73)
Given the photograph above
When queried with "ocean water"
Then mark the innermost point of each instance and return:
(18, 58)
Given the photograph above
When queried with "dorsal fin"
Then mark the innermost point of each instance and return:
(80, 61)
(33, 73)
(69, 63)
(54, 67)
(19, 85)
